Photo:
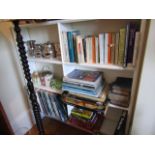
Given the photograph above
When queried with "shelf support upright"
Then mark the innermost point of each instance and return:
(25, 65)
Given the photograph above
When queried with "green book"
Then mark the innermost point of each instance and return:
(121, 54)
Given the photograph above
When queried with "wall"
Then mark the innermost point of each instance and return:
(144, 118)
(12, 90)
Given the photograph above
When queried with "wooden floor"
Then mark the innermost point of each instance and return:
(54, 127)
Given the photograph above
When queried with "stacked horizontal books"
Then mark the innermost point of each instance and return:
(86, 92)
(52, 106)
(120, 92)
(118, 48)
(83, 118)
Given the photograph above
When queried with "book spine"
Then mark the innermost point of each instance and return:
(106, 48)
(126, 44)
(101, 48)
(71, 46)
(93, 50)
(109, 47)
(97, 50)
(65, 47)
(84, 49)
(116, 48)
(132, 31)
(87, 50)
(136, 44)
(90, 49)
(113, 48)
(121, 46)
(78, 48)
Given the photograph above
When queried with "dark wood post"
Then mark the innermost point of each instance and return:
(32, 95)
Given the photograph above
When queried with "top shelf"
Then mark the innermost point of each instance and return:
(52, 22)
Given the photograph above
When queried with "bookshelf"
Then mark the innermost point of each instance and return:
(52, 31)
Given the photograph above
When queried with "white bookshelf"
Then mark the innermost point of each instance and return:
(44, 60)
(48, 89)
(52, 31)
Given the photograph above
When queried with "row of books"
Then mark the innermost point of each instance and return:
(120, 90)
(118, 48)
(84, 82)
(52, 106)
(83, 118)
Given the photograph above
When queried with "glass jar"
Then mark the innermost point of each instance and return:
(48, 50)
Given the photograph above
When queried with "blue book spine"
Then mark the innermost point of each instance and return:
(71, 46)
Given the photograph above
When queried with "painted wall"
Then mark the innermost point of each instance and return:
(12, 90)
(144, 118)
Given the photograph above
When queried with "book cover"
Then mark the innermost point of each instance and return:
(122, 34)
(102, 47)
(84, 75)
(86, 114)
(118, 97)
(133, 27)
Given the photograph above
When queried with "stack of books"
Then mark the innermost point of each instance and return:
(119, 48)
(84, 82)
(52, 106)
(120, 92)
(83, 118)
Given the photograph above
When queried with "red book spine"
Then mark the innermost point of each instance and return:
(109, 47)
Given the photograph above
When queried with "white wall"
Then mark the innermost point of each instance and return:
(144, 118)
(12, 92)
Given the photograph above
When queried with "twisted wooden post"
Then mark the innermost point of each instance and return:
(32, 95)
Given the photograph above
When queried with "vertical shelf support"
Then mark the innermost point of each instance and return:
(32, 95)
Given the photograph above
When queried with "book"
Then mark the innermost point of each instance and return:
(97, 50)
(126, 44)
(85, 76)
(118, 97)
(120, 103)
(93, 49)
(79, 48)
(123, 84)
(109, 47)
(102, 47)
(83, 102)
(83, 91)
(136, 45)
(133, 27)
(116, 48)
(122, 35)
(71, 45)
(86, 114)
(101, 98)
(65, 47)
(106, 48)
(113, 48)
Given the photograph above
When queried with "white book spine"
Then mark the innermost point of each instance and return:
(90, 49)
(65, 47)
(101, 48)
(136, 44)
(106, 48)
(97, 49)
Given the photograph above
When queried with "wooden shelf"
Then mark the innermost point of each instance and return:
(48, 89)
(101, 66)
(44, 60)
